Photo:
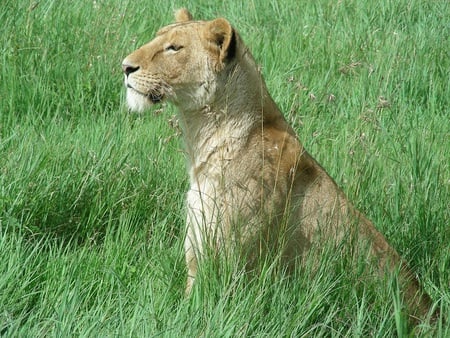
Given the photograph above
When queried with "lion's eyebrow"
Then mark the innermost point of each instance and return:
(165, 29)
(162, 31)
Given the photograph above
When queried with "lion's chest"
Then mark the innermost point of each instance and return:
(222, 195)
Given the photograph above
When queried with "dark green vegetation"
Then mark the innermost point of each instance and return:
(91, 198)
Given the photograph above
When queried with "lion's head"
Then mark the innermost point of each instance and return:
(180, 64)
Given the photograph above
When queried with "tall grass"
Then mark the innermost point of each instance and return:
(91, 198)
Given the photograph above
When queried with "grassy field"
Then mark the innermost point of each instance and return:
(91, 198)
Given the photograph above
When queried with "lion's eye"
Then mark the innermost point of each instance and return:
(173, 48)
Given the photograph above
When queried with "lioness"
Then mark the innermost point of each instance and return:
(251, 181)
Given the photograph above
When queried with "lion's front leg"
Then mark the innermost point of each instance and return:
(191, 263)
(193, 247)
(199, 225)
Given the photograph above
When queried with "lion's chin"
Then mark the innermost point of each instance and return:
(138, 102)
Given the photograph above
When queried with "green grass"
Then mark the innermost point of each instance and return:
(91, 198)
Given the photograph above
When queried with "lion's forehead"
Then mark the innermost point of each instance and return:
(181, 27)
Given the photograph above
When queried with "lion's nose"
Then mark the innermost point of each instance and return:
(128, 69)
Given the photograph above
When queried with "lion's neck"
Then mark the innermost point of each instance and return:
(213, 136)
(221, 128)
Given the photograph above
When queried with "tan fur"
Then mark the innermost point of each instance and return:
(251, 181)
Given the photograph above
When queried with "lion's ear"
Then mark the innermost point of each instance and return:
(220, 33)
(182, 15)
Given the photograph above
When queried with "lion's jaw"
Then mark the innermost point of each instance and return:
(144, 92)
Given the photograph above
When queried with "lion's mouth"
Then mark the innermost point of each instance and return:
(155, 97)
